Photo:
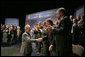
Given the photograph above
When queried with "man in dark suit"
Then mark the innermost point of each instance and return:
(15, 32)
(47, 38)
(26, 47)
(63, 35)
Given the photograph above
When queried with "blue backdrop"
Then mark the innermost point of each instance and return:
(34, 18)
(12, 21)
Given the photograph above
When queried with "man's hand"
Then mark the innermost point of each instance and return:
(50, 47)
(39, 39)
(52, 27)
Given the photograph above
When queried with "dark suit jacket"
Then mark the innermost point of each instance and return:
(62, 38)
(47, 41)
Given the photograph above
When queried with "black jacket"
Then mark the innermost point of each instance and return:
(62, 38)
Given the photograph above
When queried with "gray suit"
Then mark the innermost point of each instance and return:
(26, 47)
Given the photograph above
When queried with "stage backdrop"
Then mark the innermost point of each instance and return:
(34, 18)
(14, 21)
(79, 11)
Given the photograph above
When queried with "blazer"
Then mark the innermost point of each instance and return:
(26, 47)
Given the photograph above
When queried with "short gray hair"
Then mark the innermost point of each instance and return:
(62, 10)
(27, 26)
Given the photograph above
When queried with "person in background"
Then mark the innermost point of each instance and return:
(77, 19)
(15, 32)
(74, 32)
(1, 32)
(18, 31)
(5, 35)
(81, 30)
(71, 18)
(9, 34)
(39, 35)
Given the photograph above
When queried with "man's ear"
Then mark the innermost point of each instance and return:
(60, 13)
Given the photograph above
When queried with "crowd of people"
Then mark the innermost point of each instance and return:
(77, 30)
(52, 38)
(9, 34)
(55, 38)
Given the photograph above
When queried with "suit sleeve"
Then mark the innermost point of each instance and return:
(53, 38)
(62, 28)
(28, 38)
(33, 40)
(44, 35)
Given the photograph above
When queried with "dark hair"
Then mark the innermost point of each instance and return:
(62, 10)
(50, 21)
(41, 27)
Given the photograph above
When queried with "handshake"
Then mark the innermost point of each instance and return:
(39, 40)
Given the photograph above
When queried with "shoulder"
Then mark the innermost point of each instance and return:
(24, 34)
(65, 18)
(45, 32)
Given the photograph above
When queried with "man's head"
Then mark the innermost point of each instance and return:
(40, 23)
(49, 22)
(61, 12)
(27, 28)
(82, 17)
(78, 17)
(74, 21)
(15, 27)
(1, 25)
(71, 17)
(44, 23)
